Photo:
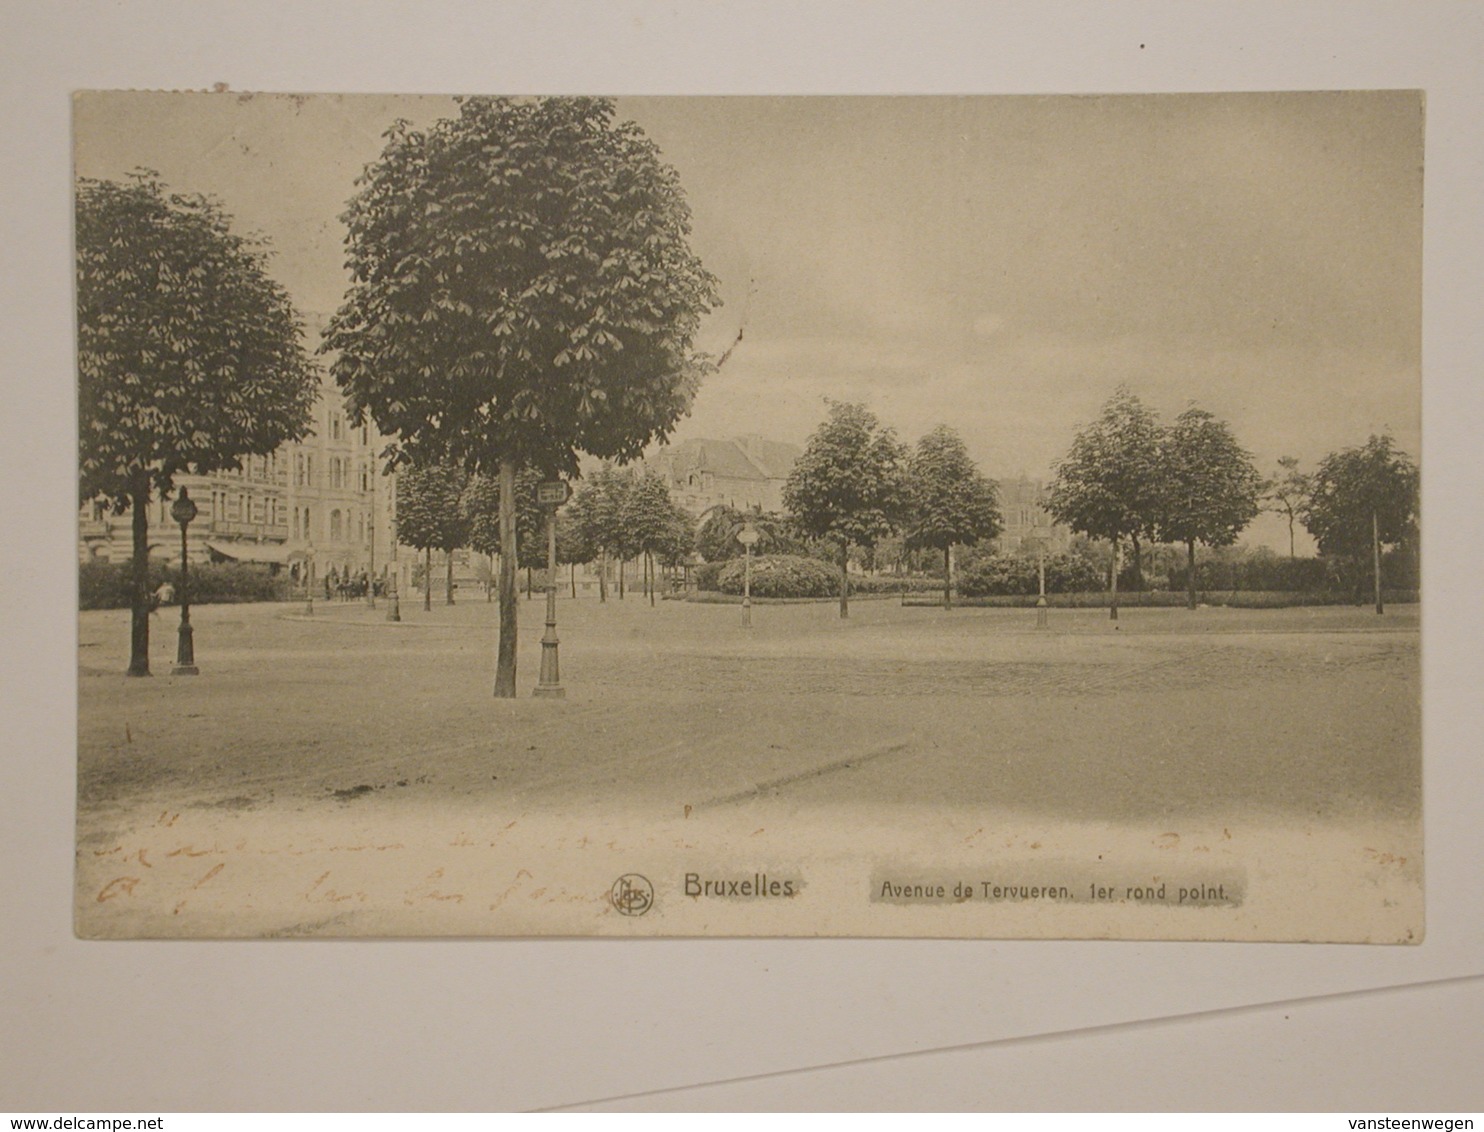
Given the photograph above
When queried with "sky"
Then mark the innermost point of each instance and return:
(998, 264)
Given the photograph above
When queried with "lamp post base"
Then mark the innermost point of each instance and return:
(185, 652)
(550, 684)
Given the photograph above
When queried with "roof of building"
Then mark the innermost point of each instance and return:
(743, 458)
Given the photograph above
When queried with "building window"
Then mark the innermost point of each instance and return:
(334, 526)
(365, 478)
(366, 433)
(334, 426)
(308, 471)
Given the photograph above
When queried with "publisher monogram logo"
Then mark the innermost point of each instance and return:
(632, 895)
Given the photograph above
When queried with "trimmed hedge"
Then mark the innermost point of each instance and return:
(780, 575)
(108, 585)
(1170, 599)
(794, 576)
(1003, 575)
(1307, 575)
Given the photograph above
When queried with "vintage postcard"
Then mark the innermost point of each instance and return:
(750, 516)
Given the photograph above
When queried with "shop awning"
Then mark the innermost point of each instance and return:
(274, 553)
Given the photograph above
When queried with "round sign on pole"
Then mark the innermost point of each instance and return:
(183, 510)
(748, 536)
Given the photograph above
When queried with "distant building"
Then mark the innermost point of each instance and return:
(1023, 507)
(743, 472)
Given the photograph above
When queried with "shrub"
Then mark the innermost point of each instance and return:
(107, 585)
(706, 574)
(780, 575)
(892, 584)
(1006, 574)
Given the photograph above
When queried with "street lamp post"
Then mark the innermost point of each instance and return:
(1040, 540)
(394, 605)
(371, 550)
(748, 537)
(309, 582)
(551, 495)
(183, 510)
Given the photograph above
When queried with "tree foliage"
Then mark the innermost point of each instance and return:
(522, 290)
(430, 509)
(1209, 485)
(522, 287)
(1354, 485)
(1109, 484)
(597, 510)
(481, 507)
(847, 485)
(949, 502)
(716, 540)
(1286, 493)
(654, 523)
(189, 355)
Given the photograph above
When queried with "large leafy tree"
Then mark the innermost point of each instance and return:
(189, 355)
(522, 290)
(1108, 485)
(1209, 484)
(949, 501)
(431, 516)
(1285, 494)
(1361, 500)
(847, 486)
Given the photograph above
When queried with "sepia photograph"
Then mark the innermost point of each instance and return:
(857, 516)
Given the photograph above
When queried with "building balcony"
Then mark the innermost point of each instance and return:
(277, 532)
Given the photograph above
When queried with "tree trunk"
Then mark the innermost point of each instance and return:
(649, 562)
(1138, 565)
(947, 578)
(844, 579)
(1376, 557)
(448, 578)
(602, 576)
(1113, 582)
(509, 614)
(530, 584)
(621, 571)
(428, 579)
(139, 610)
(1190, 573)
(1292, 553)
(489, 585)
(572, 576)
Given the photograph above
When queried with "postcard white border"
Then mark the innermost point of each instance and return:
(513, 1024)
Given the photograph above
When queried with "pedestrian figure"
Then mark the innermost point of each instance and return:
(164, 594)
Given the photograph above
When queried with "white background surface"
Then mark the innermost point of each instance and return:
(519, 1024)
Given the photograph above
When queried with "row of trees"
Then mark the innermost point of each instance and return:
(618, 515)
(856, 484)
(1130, 478)
(522, 290)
